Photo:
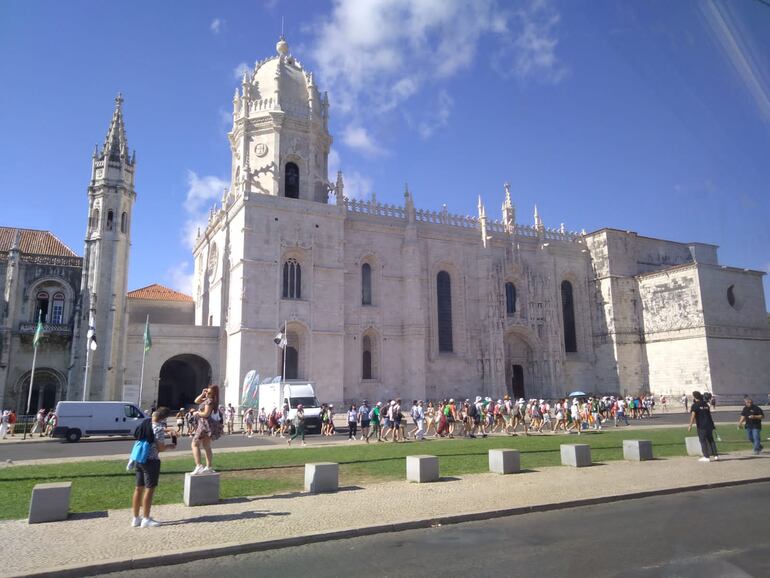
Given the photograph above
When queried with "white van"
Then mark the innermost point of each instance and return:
(95, 418)
(294, 393)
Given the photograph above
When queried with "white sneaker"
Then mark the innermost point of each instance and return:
(198, 470)
(704, 459)
(208, 470)
(149, 523)
(136, 521)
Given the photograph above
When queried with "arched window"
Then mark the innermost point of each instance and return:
(510, 299)
(568, 316)
(123, 222)
(95, 219)
(110, 218)
(366, 284)
(444, 299)
(291, 181)
(292, 279)
(367, 358)
(41, 306)
(57, 311)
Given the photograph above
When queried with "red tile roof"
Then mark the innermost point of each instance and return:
(34, 242)
(158, 293)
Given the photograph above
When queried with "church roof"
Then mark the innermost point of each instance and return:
(157, 292)
(34, 242)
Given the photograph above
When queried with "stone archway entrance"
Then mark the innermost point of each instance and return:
(519, 377)
(181, 380)
(46, 392)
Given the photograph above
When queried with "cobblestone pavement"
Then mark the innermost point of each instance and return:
(107, 536)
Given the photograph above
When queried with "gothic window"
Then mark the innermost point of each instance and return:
(41, 306)
(444, 299)
(57, 311)
(568, 316)
(110, 218)
(367, 357)
(366, 284)
(95, 219)
(292, 279)
(291, 181)
(123, 222)
(731, 296)
(510, 299)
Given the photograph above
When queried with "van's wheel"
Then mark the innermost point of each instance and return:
(73, 435)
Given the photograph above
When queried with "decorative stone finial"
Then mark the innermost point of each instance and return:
(282, 47)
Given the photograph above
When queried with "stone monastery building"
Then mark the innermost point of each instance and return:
(377, 300)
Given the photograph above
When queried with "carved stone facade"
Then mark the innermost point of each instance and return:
(381, 300)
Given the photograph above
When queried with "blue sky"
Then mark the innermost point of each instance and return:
(648, 116)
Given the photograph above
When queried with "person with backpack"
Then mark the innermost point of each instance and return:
(209, 428)
(153, 432)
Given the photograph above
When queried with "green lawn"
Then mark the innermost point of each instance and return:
(102, 485)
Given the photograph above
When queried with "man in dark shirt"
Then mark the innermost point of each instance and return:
(751, 419)
(700, 415)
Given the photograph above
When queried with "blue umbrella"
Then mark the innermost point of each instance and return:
(576, 394)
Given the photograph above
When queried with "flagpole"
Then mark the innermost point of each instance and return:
(144, 355)
(31, 378)
(286, 337)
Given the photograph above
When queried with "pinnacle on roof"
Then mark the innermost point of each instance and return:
(282, 47)
(116, 144)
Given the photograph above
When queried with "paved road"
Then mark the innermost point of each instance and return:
(713, 533)
(44, 449)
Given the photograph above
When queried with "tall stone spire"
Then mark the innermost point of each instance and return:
(116, 144)
(509, 211)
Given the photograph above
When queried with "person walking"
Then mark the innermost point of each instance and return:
(5, 418)
(230, 418)
(148, 474)
(12, 423)
(209, 428)
(751, 419)
(363, 420)
(375, 416)
(299, 425)
(248, 422)
(700, 415)
(352, 422)
(420, 420)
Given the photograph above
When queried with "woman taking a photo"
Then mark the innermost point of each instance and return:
(208, 428)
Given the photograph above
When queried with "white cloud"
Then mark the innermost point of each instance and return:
(358, 138)
(378, 54)
(217, 25)
(240, 70)
(439, 116)
(357, 185)
(202, 193)
(180, 277)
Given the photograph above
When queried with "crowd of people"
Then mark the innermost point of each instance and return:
(44, 422)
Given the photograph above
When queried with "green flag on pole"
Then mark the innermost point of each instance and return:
(147, 338)
(38, 330)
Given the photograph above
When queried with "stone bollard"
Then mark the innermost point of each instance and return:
(504, 461)
(322, 477)
(50, 502)
(637, 450)
(577, 455)
(201, 489)
(693, 446)
(422, 469)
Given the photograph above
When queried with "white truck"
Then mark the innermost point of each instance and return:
(294, 393)
(75, 419)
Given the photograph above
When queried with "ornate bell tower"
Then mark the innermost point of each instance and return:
(103, 312)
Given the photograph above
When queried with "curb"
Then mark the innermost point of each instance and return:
(182, 557)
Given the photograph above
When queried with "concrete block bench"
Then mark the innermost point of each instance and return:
(322, 477)
(422, 469)
(577, 455)
(504, 461)
(637, 450)
(693, 446)
(50, 502)
(201, 489)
